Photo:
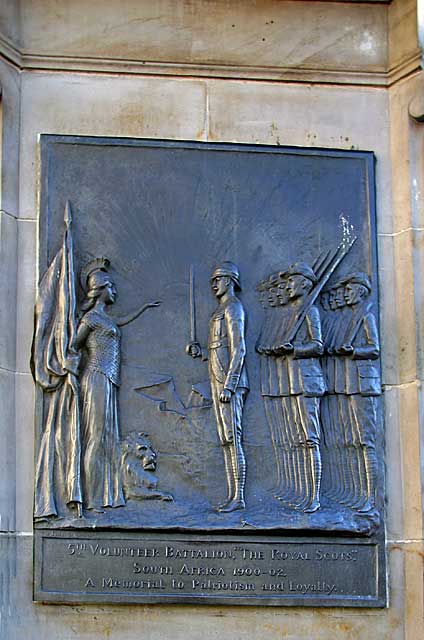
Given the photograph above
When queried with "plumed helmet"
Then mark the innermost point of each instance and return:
(88, 277)
(229, 269)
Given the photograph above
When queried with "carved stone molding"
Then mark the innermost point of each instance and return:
(416, 108)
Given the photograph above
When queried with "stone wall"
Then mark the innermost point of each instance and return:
(316, 74)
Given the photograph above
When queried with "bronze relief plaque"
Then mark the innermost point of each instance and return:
(207, 360)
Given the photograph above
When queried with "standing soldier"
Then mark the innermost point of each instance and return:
(305, 381)
(358, 377)
(333, 408)
(329, 405)
(228, 377)
(271, 375)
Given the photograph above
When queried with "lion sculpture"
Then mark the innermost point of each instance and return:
(138, 463)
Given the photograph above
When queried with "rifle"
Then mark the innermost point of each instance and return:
(327, 270)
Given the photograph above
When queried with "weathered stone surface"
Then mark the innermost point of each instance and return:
(24, 424)
(271, 34)
(409, 557)
(10, 22)
(7, 451)
(26, 279)
(407, 159)
(399, 320)
(407, 184)
(418, 257)
(388, 319)
(10, 83)
(8, 282)
(104, 106)
(306, 116)
(404, 510)
(403, 35)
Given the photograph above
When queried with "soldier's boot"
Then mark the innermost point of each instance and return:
(288, 475)
(331, 492)
(238, 463)
(293, 496)
(279, 462)
(316, 471)
(361, 485)
(278, 449)
(351, 472)
(339, 460)
(288, 496)
(229, 475)
(301, 496)
(284, 491)
(371, 467)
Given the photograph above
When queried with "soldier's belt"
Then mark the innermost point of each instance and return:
(218, 343)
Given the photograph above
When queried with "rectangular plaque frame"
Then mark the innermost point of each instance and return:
(326, 558)
(172, 568)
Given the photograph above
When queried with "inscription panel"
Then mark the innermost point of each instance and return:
(152, 568)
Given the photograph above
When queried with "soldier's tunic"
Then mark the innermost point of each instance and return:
(100, 421)
(272, 371)
(333, 406)
(358, 376)
(301, 385)
(329, 407)
(227, 350)
(301, 378)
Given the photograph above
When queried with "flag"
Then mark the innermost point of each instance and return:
(54, 364)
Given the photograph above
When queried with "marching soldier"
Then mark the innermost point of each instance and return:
(228, 377)
(271, 373)
(333, 405)
(304, 381)
(329, 402)
(358, 376)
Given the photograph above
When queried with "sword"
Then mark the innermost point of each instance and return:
(193, 348)
(192, 307)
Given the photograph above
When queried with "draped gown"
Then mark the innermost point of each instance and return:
(100, 382)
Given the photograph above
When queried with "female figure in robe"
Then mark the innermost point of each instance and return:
(100, 336)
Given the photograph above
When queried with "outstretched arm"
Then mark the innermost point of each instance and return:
(121, 322)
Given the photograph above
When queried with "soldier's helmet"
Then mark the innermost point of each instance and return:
(302, 269)
(274, 280)
(229, 269)
(358, 278)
